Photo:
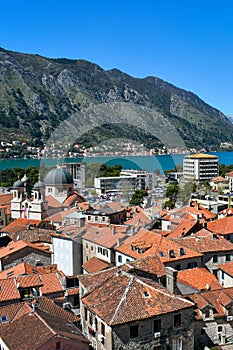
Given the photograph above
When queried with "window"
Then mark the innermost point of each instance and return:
(228, 257)
(86, 245)
(85, 314)
(102, 328)
(191, 265)
(207, 313)
(92, 247)
(58, 345)
(215, 258)
(133, 331)
(223, 275)
(120, 258)
(4, 319)
(177, 344)
(157, 325)
(177, 320)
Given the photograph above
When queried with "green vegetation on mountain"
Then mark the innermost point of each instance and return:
(38, 94)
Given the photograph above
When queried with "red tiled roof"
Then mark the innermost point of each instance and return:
(95, 265)
(26, 269)
(20, 269)
(8, 290)
(227, 267)
(207, 243)
(149, 264)
(221, 226)
(58, 217)
(151, 244)
(217, 299)
(198, 278)
(28, 281)
(184, 228)
(138, 219)
(5, 198)
(83, 205)
(52, 202)
(106, 236)
(51, 283)
(72, 291)
(12, 247)
(20, 224)
(36, 329)
(132, 299)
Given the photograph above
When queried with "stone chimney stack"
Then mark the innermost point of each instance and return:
(171, 279)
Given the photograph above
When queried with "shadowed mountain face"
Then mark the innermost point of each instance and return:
(37, 94)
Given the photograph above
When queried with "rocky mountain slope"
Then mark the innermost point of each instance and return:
(37, 94)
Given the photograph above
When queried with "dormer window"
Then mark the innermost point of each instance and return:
(146, 294)
(172, 254)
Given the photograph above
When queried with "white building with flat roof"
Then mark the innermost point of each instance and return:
(200, 167)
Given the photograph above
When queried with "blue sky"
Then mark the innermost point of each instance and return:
(188, 43)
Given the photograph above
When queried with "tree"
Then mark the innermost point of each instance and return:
(137, 197)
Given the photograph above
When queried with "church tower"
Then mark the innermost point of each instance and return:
(18, 198)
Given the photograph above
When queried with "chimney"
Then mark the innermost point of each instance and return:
(171, 279)
(113, 230)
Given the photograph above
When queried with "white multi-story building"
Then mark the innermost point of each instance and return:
(129, 179)
(200, 167)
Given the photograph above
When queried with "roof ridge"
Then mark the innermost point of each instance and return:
(127, 289)
(19, 310)
(44, 322)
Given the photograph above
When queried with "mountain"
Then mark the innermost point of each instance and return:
(38, 94)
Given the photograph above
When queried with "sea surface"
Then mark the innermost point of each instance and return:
(150, 163)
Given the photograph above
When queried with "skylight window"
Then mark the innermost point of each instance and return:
(162, 254)
(4, 318)
(146, 294)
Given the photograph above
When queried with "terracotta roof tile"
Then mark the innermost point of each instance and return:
(26, 269)
(51, 283)
(33, 235)
(38, 328)
(150, 264)
(151, 244)
(8, 290)
(207, 243)
(28, 281)
(52, 202)
(72, 199)
(20, 224)
(5, 198)
(139, 219)
(183, 229)
(13, 247)
(198, 278)
(126, 298)
(221, 226)
(106, 236)
(217, 299)
(58, 217)
(95, 265)
(72, 291)
(20, 269)
(227, 267)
